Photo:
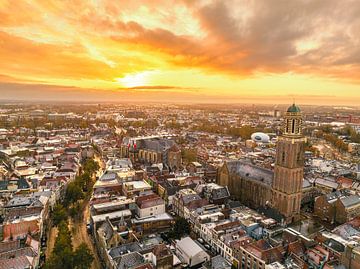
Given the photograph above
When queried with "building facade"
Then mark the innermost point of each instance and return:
(152, 150)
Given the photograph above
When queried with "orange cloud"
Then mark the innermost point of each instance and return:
(21, 56)
(93, 44)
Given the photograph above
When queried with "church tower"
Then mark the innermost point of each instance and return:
(289, 166)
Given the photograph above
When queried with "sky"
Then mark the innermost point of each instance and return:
(265, 51)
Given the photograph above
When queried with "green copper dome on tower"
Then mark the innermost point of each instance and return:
(294, 109)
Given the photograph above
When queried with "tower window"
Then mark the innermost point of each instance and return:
(293, 126)
(287, 125)
(299, 157)
(283, 156)
(294, 205)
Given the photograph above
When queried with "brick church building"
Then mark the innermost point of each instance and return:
(279, 190)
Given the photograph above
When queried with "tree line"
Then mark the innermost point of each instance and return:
(243, 132)
(64, 255)
(77, 191)
(332, 136)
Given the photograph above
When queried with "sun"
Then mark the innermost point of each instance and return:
(134, 80)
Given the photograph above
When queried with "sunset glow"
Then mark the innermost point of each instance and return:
(217, 50)
(134, 80)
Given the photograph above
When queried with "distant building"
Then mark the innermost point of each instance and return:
(152, 150)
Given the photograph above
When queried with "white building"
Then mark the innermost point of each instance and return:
(149, 205)
(191, 253)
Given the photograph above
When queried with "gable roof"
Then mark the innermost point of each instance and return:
(189, 246)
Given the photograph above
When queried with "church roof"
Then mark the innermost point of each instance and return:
(294, 109)
(249, 171)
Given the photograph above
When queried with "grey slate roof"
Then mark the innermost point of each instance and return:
(155, 143)
(220, 193)
(130, 260)
(306, 184)
(335, 195)
(108, 176)
(350, 200)
(123, 249)
(107, 230)
(23, 201)
(249, 171)
(346, 231)
(327, 183)
(335, 245)
(218, 262)
(21, 184)
(190, 197)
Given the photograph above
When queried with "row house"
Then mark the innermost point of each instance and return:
(258, 254)
(149, 205)
(203, 215)
(168, 188)
(185, 201)
(15, 254)
(338, 206)
(214, 193)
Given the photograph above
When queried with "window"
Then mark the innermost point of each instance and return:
(287, 126)
(293, 126)
(294, 204)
